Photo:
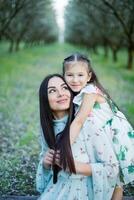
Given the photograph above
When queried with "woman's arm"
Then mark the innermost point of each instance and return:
(43, 173)
(86, 107)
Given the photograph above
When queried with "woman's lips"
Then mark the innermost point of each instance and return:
(62, 101)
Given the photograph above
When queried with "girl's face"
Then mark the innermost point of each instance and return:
(59, 95)
(77, 75)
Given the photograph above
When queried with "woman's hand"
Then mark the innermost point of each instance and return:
(57, 158)
(48, 159)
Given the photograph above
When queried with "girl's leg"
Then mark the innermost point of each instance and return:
(118, 193)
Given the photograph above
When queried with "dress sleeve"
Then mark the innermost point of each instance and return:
(89, 89)
(43, 175)
(105, 166)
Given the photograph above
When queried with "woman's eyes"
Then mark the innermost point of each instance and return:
(52, 91)
(65, 87)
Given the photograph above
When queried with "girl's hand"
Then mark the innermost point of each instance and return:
(81, 167)
(48, 158)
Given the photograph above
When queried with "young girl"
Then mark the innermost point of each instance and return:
(94, 104)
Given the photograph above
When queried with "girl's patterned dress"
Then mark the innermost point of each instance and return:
(88, 148)
(105, 118)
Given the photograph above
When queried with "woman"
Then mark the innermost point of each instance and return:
(88, 169)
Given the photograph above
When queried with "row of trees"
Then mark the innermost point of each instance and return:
(107, 23)
(30, 21)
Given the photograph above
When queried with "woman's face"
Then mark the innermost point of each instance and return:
(59, 95)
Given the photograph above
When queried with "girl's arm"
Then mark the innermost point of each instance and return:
(86, 107)
(83, 168)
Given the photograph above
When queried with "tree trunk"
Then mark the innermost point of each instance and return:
(11, 45)
(95, 50)
(17, 45)
(114, 51)
(130, 58)
(105, 51)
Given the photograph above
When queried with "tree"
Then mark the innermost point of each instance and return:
(8, 11)
(123, 11)
(102, 22)
(34, 22)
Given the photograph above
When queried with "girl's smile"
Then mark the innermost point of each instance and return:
(77, 76)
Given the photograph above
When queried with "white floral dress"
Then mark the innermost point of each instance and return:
(88, 148)
(105, 118)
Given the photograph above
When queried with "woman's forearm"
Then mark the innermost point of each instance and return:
(83, 168)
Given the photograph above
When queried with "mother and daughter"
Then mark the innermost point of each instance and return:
(87, 142)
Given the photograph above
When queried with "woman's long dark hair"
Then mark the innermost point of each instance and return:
(46, 120)
(94, 79)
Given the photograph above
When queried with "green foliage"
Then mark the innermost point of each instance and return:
(20, 76)
(94, 23)
(32, 22)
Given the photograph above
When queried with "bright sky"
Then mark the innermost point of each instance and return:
(59, 6)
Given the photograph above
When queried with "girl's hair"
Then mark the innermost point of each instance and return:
(82, 58)
(46, 119)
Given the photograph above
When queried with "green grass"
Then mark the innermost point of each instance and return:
(20, 76)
